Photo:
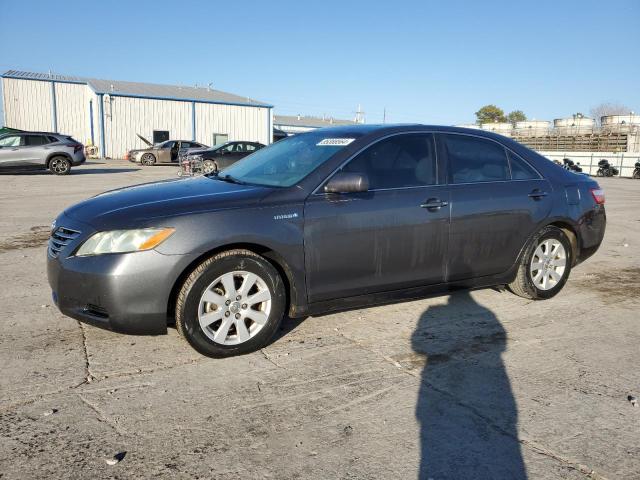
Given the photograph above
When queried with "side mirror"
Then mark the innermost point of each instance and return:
(344, 182)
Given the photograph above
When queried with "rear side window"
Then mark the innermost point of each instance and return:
(521, 170)
(396, 162)
(473, 159)
(35, 140)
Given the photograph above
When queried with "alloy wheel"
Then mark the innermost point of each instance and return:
(59, 165)
(234, 307)
(548, 264)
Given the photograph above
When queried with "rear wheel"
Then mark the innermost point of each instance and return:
(60, 165)
(545, 265)
(148, 159)
(231, 304)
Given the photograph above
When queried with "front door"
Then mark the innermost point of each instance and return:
(393, 236)
(12, 151)
(496, 204)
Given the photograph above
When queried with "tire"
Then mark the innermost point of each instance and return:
(636, 175)
(148, 159)
(210, 318)
(209, 166)
(599, 173)
(530, 280)
(60, 165)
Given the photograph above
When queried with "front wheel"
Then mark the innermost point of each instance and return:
(231, 304)
(209, 166)
(148, 159)
(636, 174)
(545, 265)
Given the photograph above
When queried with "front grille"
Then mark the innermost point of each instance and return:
(60, 238)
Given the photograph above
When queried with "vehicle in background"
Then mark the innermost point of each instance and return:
(327, 220)
(40, 150)
(636, 170)
(165, 152)
(605, 169)
(224, 155)
(568, 164)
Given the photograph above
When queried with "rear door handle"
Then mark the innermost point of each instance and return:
(433, 204)
(538, 194)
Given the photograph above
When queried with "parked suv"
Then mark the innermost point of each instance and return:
(224, 155)
(327, 220)
(38, 150)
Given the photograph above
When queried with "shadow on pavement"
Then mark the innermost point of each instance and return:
(466, 410)
(74, 171)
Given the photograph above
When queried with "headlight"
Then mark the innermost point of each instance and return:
(122, 241)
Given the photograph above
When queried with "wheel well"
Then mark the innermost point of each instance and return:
(273, 257)
(572, 236)
(59, 154)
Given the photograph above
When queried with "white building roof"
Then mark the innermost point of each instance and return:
(143, 90)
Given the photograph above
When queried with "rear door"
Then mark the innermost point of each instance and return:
(391, 237)
(497, 200)
(36, 149)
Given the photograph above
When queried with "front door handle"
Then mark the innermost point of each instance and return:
(433, 204)
(538, 194)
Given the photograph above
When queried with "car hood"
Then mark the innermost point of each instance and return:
(142, 205)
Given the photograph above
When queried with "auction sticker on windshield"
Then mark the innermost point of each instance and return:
(335, 142)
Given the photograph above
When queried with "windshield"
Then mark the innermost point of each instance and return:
(285, 163)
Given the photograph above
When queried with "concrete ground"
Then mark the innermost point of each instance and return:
(481, 385)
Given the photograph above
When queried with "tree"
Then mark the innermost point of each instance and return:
(516, 116)
(608, 108)
(489, 114)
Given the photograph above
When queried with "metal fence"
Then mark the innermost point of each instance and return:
(624, 162)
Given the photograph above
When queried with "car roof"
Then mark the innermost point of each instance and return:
(365, 129)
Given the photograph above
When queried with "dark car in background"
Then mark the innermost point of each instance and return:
(40, 150)
(168, 151)
(327, 220)
(224, 155)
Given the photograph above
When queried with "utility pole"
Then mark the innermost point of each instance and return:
(359, 115)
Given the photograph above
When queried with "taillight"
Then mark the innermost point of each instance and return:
(76, 147)
(598, 195)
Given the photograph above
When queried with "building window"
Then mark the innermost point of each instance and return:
(220, 138)
(160, 136)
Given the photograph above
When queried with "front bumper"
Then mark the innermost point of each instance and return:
(127, 293)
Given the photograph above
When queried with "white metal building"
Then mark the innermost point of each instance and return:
(110, 114)
(292, 124)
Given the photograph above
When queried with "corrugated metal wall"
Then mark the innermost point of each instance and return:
(239, 123)
(72, 105)
(126, 116)
(27, 104)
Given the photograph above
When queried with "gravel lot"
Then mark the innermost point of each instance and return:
(481, 385)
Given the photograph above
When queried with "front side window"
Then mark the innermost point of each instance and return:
(285, 163)
(400, 161)
(473, 159)
(10, 141)
(168, 144)
(239, 147)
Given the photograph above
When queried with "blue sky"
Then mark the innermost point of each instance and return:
(424, 61)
